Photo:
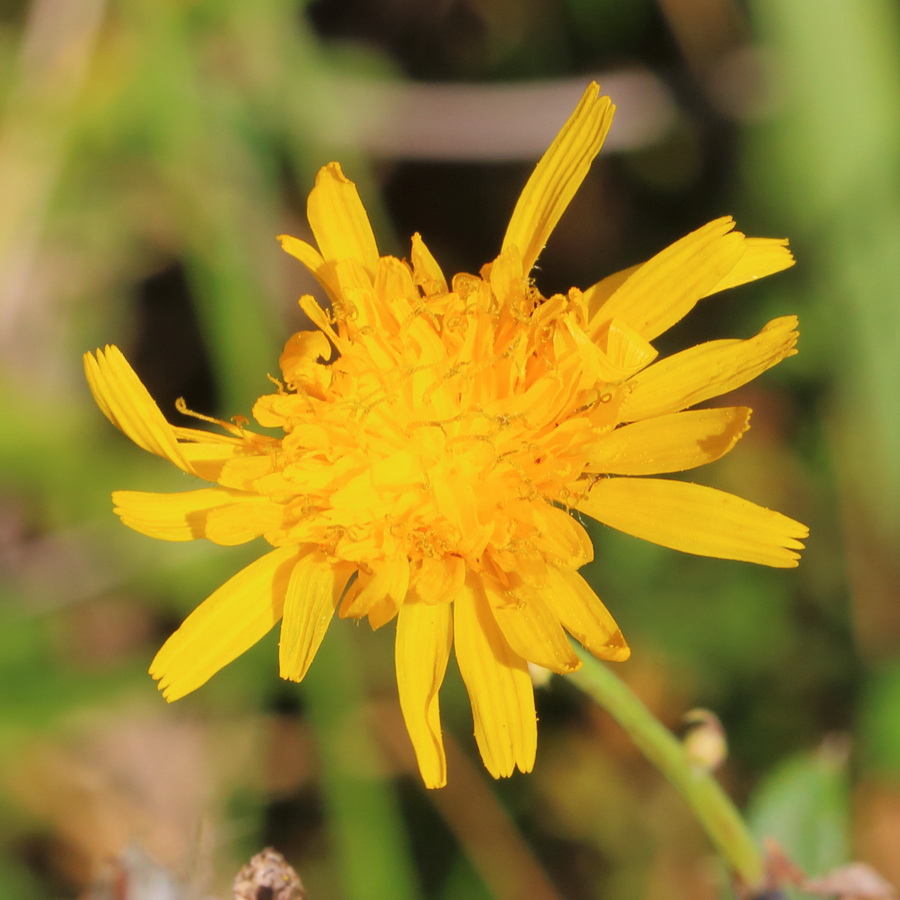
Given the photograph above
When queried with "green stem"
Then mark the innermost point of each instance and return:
(711, 805)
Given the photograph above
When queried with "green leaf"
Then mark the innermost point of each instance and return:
(803, 805)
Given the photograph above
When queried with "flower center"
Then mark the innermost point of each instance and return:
(436, 428)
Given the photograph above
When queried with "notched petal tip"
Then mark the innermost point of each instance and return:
(696, 519)
(332, 170)
(761, 257)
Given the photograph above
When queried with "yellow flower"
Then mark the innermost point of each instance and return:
(437, 437)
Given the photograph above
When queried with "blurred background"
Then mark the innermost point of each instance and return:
(150, 151)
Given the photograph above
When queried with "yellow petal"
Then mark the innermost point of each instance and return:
(498, 685)
(597, 294)
(531, 628)
(313, 592)
(230, 466)
(560, 538)
(223, 516)
(306, 253)
(319, 317)
(355, 299)
(229, 622)
(558, 176)
(389, 580)
(427, 272)
(707, 370)
(584, 616)
(302, 352)
(437, 580)
(127, 404)
(625, 349)
(394, 289)
(339, 221)
(762, 256)
(664, 289)
(670, 443)
(696, 519)
(424, 637)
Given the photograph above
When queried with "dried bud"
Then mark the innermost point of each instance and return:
(268, 876)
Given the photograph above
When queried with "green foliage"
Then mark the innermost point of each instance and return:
(803, 805)
(183, 135)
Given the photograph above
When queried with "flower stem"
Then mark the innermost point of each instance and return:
(711, 805)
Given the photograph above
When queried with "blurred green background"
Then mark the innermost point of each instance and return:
(150, 151)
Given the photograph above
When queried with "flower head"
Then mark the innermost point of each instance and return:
(437, 437)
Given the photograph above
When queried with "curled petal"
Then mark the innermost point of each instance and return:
(561, 538)
(311, 258)
(762, 256)
(664, 289)
(389, 582)
(696, 519)
(229, 465)
(427, 272)
(127, 404)
(656, 294)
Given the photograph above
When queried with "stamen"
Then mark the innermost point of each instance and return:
(236, 430)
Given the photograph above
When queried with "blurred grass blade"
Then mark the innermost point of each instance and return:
(370, 845)
(829, 168)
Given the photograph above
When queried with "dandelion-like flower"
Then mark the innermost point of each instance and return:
(437, 437)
